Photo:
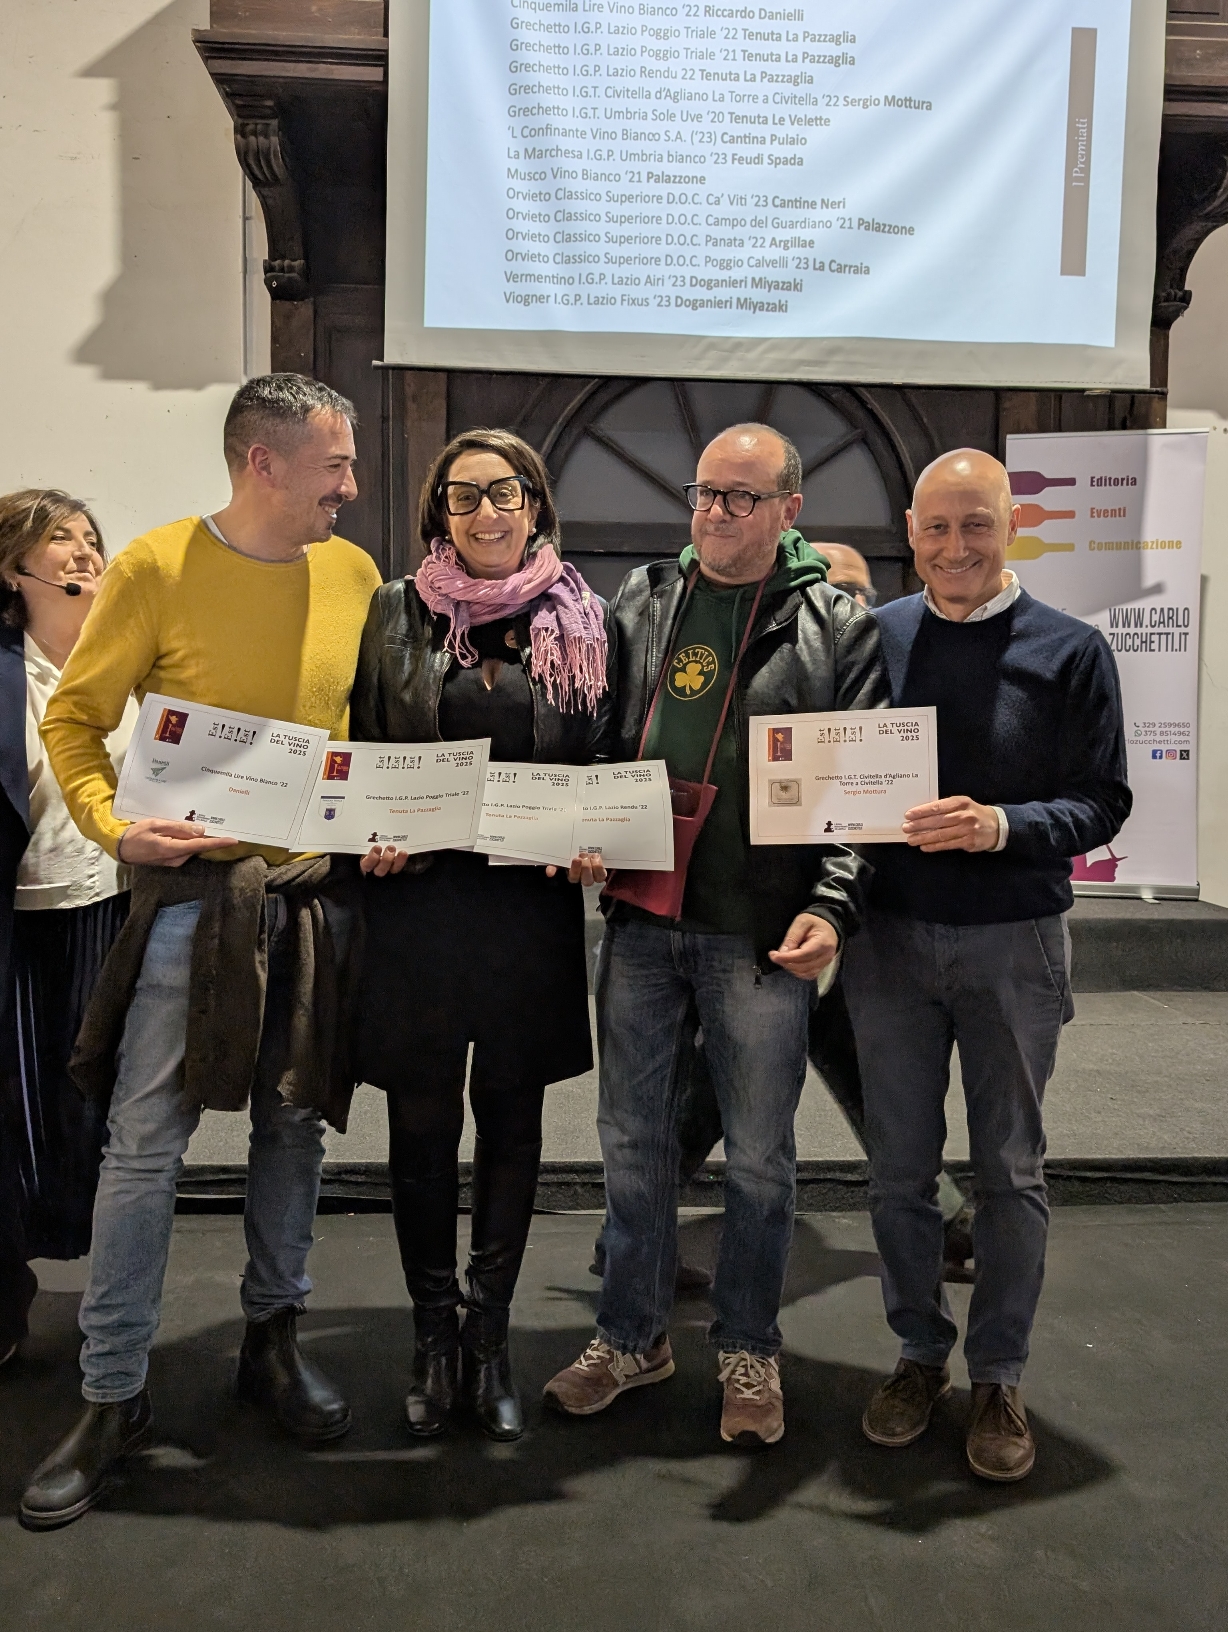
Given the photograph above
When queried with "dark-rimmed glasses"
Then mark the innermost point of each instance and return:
(737, 501)
(507, 493)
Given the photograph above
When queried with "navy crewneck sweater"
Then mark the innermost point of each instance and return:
(1029, 718)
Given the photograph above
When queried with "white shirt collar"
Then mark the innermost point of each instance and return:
(1004, 598)
(37, 659)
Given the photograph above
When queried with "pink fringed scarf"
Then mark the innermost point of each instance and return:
(566, 628)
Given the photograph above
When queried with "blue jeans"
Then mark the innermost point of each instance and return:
(754, 1028)
(1001, 994)
(149, 1127)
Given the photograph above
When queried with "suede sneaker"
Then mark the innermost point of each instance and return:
(1000, 1444)
(899, 1411)
(753, 1409)
(602, 1373)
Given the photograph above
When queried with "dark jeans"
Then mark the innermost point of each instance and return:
(754, 1026)
(1001, 994)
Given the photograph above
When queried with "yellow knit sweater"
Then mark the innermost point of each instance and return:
(180, 614)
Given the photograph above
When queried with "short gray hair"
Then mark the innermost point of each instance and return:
(273, 409)
(790, 478)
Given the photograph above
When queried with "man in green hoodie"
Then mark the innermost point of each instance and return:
(744, 617)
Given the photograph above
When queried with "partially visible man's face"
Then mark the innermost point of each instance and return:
(741, 549)
(847, 570)
(960, 527)
(310, 481)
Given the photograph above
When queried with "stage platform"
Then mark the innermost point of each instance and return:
(1117, 944)
(1136, 1111)
(641, 1518)
(1125, 946)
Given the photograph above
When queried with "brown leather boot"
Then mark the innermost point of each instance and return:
(1000, 1444)
(900, 1410)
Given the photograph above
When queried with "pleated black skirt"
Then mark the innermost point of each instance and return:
(52, 1135)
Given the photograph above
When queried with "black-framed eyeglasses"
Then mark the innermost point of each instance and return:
(850, 586)
(507, 493)
(737, 501)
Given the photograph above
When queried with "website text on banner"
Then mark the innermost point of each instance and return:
(775, 191)
(1111, 531)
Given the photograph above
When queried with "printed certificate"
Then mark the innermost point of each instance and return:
(529, 812)
(551, 813)
(242, 777)
(416, 795)
(847, 777)
(625, 816)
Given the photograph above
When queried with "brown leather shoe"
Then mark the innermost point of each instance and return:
(601, 1374)
(753, 1409)
(1000, 1444)
(899, 1411)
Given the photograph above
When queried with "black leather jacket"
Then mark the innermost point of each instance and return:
(402, 665)
(811, 651)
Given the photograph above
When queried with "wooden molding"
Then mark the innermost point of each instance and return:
(261, 152)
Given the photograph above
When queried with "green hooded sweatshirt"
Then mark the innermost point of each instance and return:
(718, 893)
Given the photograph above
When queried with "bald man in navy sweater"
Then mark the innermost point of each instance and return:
(966, 944)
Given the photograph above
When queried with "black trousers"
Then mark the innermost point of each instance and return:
(426, 1114)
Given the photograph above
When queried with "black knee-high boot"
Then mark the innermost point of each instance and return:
(504, 1187)
(424, 1211)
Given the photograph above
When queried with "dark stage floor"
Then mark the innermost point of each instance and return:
(640, 1519)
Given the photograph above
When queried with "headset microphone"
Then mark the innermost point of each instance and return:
(69, 589)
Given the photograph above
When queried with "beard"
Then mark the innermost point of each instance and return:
(735, 557)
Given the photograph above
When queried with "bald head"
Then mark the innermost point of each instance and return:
(962, 522)
(971, 471)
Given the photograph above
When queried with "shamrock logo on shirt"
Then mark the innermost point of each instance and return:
(693, 672)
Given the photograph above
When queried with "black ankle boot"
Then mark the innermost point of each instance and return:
(273, 1373)
(487, 1374)
(436, 1375)
(82, 1467)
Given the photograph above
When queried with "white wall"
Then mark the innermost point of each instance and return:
(121, 259)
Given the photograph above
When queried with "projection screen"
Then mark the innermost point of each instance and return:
(946, 192)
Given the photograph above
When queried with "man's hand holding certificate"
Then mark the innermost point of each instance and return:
(848, 777)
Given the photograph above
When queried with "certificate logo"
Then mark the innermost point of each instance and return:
(170, 725)
(785, 792)
(780, 746)
(336, 767)
(330, 806)
(693, 672)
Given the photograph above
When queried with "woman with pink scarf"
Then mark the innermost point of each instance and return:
(494, 636)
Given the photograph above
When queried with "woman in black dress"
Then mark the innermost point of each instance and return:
(495, 637)
(62, 903)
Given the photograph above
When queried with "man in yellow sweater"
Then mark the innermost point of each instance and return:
(258, 608)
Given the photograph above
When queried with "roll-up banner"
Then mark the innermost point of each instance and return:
(1111, 532)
